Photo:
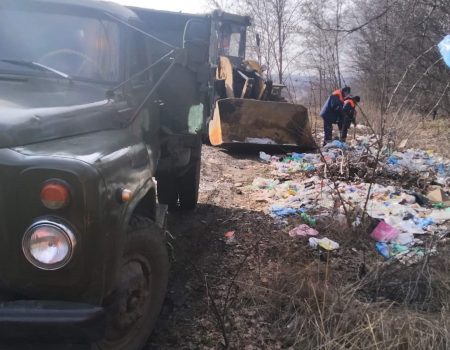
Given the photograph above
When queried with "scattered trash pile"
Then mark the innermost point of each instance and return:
(408, 221)
(419, 161)
(356, 159)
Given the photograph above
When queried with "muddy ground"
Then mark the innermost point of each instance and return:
(202, 259)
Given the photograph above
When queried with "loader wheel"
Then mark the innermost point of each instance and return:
(188, 186)
(141, 288)
(167, 191)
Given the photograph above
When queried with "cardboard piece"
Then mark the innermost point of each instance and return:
(437, 195)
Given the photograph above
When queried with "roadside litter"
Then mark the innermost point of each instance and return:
(324, 243)
(336, 144)
(308, 219)
(384, 232)
(383, 249)
(264, 183)
(303, 231)
(307, 187)
(280, 211)
(260, 141)
(230, 237)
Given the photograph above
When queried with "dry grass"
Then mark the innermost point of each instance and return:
(434, 135)
(424, 133)
(392, 307)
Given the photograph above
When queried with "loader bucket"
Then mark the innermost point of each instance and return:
(261, 124)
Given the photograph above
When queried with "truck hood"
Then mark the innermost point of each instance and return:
(36, 110)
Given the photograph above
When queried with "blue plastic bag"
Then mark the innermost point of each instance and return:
(297, 156)
(383, 249)
(281, 211)
(441, 169)
(392, 160)
(423, 223)
(339, 144)
(336, 144)
(444, 48)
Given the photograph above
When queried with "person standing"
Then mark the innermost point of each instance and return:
(332, 112)
(349, 110)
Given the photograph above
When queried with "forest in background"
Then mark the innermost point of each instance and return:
(385, 49)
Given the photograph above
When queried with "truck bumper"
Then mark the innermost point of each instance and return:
(51, 321)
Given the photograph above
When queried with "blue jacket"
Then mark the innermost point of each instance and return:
(332, 109)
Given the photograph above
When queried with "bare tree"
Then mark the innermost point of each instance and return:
(276, 23)
(402, 45)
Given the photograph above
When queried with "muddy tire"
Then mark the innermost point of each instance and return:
(141, 288)
(188, 187)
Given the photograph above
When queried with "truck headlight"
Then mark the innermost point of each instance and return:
(48, 245)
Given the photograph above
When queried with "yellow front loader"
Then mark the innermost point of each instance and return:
(251, 111)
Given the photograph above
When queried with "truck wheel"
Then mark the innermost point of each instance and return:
(188, 186)
(167, 192)
(141, 288)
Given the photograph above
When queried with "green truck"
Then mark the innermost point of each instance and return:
(93, 109)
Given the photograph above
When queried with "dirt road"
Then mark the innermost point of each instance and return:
(204, 264)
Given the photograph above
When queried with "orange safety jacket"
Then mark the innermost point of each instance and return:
(338, 93)
(351, 102)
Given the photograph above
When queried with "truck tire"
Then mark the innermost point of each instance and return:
(188, 186)
(167, 191)
(141, 288)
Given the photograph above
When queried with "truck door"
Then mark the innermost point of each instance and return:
(138, 60)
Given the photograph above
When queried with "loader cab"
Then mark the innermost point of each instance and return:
(231, 40)
(228, 37)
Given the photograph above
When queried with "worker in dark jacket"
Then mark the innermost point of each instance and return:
(349, 110)
(332, 111)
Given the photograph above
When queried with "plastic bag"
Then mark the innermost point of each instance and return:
(281, 211)
(324, 243)
(383, 249)
(404, 239)
(336, 144)
(308, 219)
(303, 231)
(384, 232)
(262, 183)
(444, 48)
(297, 156)
(424, 223)
(393, 160)
(265, 157)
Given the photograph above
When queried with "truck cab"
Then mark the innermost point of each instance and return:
(90, 113)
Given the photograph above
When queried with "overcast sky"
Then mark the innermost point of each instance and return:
(192, 6)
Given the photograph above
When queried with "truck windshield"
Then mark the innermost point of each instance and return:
(82, 47)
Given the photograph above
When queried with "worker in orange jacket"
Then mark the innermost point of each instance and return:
(349, 110)
(332, 111)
